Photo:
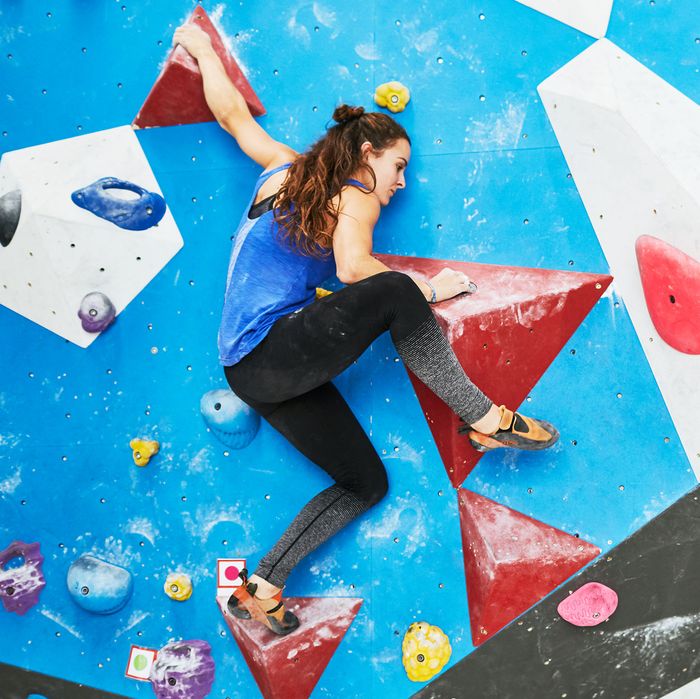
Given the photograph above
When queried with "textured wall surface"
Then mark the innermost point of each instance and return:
(487, 183)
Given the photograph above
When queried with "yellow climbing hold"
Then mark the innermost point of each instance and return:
(143, 450)
(426, 650)
(392, 95)
(178, 586)
(320, 293)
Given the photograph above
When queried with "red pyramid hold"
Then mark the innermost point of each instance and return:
(671, 282)
(288, 667)
(177, 97)
(511, 561)
(505, 336)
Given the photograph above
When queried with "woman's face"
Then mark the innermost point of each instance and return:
(389, 167)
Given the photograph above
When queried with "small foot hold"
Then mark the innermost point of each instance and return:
(392, 95)
(143, 449)
(96, 312)
(178, 586)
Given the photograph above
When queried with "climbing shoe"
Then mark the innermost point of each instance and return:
(515, 431)
(235, 601)
(271, 612)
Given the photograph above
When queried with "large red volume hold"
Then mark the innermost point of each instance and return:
(511, 561)
(289, 667)
(671, 283)
(505, 336)
(177, 97)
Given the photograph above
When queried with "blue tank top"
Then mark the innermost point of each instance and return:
(266, 280)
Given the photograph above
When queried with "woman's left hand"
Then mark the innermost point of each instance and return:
(193, 39)
(449, 283)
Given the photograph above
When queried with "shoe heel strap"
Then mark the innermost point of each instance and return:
(274, 609)
(506, 421)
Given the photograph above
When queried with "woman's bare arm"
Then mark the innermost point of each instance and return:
(227, 104)
(352, 239)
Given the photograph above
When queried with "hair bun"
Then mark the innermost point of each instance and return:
(345, 113)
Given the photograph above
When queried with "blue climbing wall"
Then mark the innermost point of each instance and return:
(487, 183)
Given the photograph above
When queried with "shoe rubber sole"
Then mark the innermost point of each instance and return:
(235, 608)
(509, 440)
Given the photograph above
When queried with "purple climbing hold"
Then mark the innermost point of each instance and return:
(133, 214)
(96, 312)
(10, 210)
(183, 670)
(590, 605)
(20, 585)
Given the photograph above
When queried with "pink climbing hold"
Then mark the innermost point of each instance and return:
(671, 283)
(590, 605)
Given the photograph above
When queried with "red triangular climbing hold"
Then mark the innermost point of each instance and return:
(177, 97)
(505, 336)
(288, 667)
(511, 561)
(671, 283)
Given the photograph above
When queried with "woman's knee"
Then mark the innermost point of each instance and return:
(399, 282)
(371, 485)
(394, 291)
(376, 492)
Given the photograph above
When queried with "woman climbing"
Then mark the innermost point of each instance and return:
(311, 216)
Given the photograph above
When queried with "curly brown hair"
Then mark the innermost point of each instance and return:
(303, 206)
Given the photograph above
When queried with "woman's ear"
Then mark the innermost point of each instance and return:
(365, 149)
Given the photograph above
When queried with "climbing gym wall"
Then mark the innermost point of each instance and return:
(554, 160)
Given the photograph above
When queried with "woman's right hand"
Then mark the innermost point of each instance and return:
(449, 283)
(193, 39)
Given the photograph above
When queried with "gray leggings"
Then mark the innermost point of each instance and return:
(287, 379)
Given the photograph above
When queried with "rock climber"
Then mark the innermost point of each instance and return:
(311, 216)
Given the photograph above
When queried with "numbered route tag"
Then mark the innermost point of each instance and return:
(228, 573)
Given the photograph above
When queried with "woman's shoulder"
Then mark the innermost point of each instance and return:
(284, 157)
(358, 204)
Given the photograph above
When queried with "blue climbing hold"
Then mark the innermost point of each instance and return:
(98, 586)
(10, 210)
(132, 214)
(231, 420)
